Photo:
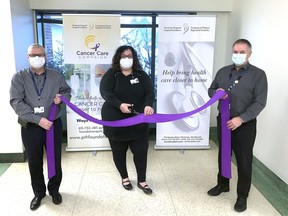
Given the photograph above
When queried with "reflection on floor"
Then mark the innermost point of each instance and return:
(92, 186)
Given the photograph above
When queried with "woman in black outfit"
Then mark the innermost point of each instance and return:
(127, 90)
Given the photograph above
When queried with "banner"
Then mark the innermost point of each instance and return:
(184, 74)
(90, 42)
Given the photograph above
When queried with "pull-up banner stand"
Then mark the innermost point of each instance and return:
(90, 42)
(184, 74)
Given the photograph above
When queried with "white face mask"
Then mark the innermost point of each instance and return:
(37, 62)
(97, 81)
(126, 63)
(238, 59)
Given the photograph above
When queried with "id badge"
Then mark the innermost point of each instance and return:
(39, 109)
(134, 81)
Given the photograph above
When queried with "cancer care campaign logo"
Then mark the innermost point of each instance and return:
(92, 49)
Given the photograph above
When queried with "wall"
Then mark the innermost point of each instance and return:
(8, 118)
(147, 5)
(16, 34)
(264, 23)
(22, 24)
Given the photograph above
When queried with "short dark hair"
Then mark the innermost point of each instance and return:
(243, 41)
(117, 56)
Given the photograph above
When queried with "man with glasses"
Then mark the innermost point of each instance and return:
(32, 93)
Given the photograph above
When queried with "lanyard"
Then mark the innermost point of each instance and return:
(236, 81)
(39, 92)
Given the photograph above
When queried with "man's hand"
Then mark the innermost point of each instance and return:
(234, 123)
(225, 96)
(57, 99)
(45, 123)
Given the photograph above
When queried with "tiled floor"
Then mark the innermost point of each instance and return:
(92, 186)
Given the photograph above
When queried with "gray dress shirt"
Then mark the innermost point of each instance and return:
(248, 96)
(26, 94)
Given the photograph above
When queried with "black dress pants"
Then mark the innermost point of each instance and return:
(139, 148)
(34, 140)
(242, 141)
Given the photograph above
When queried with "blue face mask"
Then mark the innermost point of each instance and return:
(238, 59)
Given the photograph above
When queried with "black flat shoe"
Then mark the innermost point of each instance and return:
(146, 189)
(217, 190)
(241, 204)
(127, 186)
(56, 198)
(36, 202)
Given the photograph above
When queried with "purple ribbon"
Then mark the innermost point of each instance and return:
(50, 144)
(226, 139)
(141, 118)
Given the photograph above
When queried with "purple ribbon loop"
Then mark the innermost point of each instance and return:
(141, 118)
(50, 144)
(225, 139)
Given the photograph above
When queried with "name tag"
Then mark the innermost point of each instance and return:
(39, 109)
(134, 81)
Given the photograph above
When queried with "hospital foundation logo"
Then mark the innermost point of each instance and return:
(186, 28)
(93, 49)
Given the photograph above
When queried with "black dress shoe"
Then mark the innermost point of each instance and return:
(146, 189)
(217, 190)
(127, 186)
(241, 204)
(56, 198)
(36, 202)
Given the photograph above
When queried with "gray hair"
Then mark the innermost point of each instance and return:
(36, 45)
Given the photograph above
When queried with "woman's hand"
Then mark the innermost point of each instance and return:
(148, 111)
(124, 107)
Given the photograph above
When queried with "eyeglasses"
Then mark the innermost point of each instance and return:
(126, 56)
(34, 55)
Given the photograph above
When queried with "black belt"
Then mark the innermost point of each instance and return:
(33, 125)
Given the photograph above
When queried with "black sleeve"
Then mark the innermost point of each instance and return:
(106, 89)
